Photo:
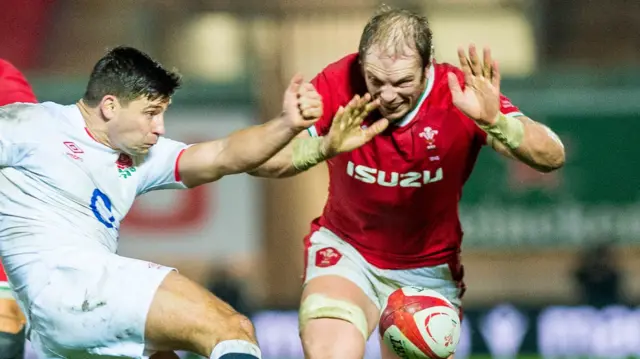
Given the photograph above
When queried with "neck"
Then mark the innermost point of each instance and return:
(94, 124)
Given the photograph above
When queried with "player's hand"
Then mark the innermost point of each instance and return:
(346, 132)
(309, 102)
(480, 99)
(302, 105)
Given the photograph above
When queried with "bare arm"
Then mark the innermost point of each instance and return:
(540, 149)
(515, 137)
(247, 149)
(241, 151)
(281, 165)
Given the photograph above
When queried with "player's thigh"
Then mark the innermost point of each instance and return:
(338, 309)
(335, 270)
(185, 316)
(100, 304)
(94, 304)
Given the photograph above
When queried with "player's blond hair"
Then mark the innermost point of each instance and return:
(393, 29)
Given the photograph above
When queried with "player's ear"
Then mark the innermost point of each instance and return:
(109, 107)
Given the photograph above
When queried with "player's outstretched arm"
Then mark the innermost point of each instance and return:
(246, 149)
(517, 137)
(346, 134)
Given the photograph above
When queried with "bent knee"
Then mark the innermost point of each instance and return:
(238, 326)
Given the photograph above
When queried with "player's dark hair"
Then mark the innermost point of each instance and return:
(392, 27)
(128, 74)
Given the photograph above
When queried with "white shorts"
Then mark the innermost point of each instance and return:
(327, 254)
(94, 304)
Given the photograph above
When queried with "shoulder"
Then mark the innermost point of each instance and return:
(442, 71)
(339, 81)
(343, 66)
(162, 150)
(33, 118)
(344, 73)
(26, 112)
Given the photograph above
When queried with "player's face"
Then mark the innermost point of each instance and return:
(138, 125)
(396, 78)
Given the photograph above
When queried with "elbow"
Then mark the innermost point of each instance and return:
(552, 161)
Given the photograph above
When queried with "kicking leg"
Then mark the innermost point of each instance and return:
(185, 316)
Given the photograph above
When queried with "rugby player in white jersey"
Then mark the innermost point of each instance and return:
(68, 176)
(13, 88)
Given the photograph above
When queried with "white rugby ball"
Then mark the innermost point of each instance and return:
(420, 323)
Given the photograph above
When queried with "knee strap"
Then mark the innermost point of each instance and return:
(318, 306)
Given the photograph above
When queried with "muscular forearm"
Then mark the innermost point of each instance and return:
(241, 151)
(298, 156)
(247, 149)
(541, 148)
(278, 166)
(530, 142)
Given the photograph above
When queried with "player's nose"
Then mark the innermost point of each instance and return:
(387, 96)
(158, 125)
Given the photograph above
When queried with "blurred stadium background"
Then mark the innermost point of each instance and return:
(551, 260)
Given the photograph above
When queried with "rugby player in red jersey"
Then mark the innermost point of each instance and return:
(13, 88)
(396, 174)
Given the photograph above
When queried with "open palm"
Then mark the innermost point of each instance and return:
(346, 132)
(480, 99)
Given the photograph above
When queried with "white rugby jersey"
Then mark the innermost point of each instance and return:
(59, 187)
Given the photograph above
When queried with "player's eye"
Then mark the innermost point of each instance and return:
(375, 82)
(404, 83)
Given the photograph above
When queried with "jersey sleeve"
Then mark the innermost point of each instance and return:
(323, 86)
(14, 142)
(160, 169)
(6, 148)
(508, 108)
(13, 88)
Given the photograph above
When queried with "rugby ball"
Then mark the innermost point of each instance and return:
(420, 323)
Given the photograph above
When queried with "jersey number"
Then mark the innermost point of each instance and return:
(101, 207)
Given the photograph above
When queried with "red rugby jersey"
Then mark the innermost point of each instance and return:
(13, 85)
(396, 198)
